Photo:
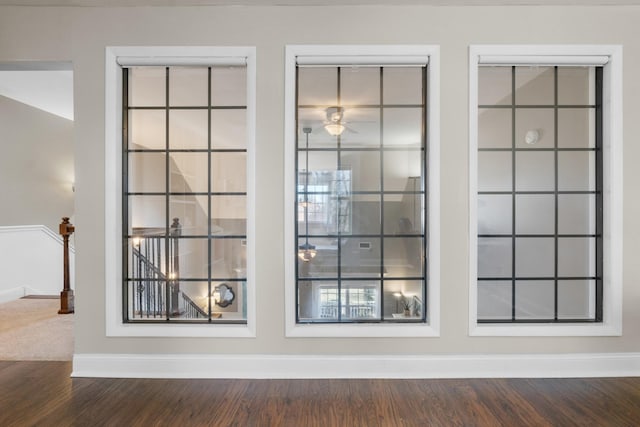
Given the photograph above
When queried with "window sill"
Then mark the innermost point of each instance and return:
(544, 330)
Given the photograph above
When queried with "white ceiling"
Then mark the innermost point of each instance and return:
(48, 90)
(110, 3)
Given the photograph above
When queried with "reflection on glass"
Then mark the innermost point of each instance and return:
(229, 129)
(228, 172)
(228, 86)
(327, 203)
(576, 257)
(191, 211)
(400, 168)
(535, 128)
(188, 173)
(359, 86)
(325, 263)
(535, 257)
(535, 171)
(576, 213)
(494, 257)
(362, 128)
(494, 214)
(534, 85)
(229, 213)
(364, 167)
(403, 256)
(188, 86)
(366, 214)
(188, 129)
(147, 86)
(494, 300)
(576, 299)
(147, 130)
(534, 299)
(360, 257)
(535, 214)
(576, 171)
(317, 86)
(494, 85)
(576, 128)
(403, 214)
(402, 85)
(147, 172)
(494, 128)
(403, 299)
(402, 127)
(193, 258)
(360, 300)
(494, 171)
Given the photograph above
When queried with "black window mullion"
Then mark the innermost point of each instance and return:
(599, 208)
(556, 188)
(125, 197)
(209, 201)
(382, 195)
(513, 193)
(339, 260)
(167, 199)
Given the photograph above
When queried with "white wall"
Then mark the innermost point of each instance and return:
(36, 166)
(81, 34)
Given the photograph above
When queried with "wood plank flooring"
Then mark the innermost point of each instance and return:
(42, 394)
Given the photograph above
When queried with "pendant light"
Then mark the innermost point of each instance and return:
(307, 251)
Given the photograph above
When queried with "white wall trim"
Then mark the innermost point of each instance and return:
(613, 182)
(113, 190)
(336, 366)
(394, 54)
(42, 228)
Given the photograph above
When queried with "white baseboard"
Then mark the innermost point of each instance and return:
(12, 294)
(336, 366)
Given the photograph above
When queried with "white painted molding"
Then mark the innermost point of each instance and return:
(336, 366)
(42, 228)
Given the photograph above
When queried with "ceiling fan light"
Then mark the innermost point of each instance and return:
(307, 252)
(334, 129)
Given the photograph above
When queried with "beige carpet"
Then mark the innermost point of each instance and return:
(32, 329)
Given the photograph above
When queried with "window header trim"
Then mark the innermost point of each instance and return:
(544, 60)
(141, 61)
(362, 60)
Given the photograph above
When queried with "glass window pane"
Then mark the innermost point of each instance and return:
(317, 86)
(403, 214)
(534, 85)
(402, 85)
(147, 173)
(576, 257)
(228, 214)
(403, 299)
(147, 212)
(402, 127)
(228, 86)
(494, 86)
(494, 171)
(362, 128)
(534, 299)
(401, 169)
(360, 300)
(228, 129)
(494, 128)
(188, 129)
(494, 299)
(189, 172)
(197, 294)
(146, 247)
(403, 256)
(360, 257)
(359, 86)
(228, 172)
(314, 119)
(147, 86)
(147, 130)
(325, 261)
(535, 171)
(576, 128)
(191, 212)
(188, 86)
(535, 128)
(576, 171)
(146, 299)
(576, 85)
(576, 213)
(494, 257)
(228, 258)
(364, 167)
(576, 299)
(495, 213)
(306, 300)
(535, 257)
(320, 162)
(535, 214)
(366, 214)
(193, 258)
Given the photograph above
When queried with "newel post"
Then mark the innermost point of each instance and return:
(66, 296)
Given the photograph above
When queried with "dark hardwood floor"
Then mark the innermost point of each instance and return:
(42, 394)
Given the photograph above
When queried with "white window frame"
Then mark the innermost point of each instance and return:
(365, 55)
(611, 57)
(165, 56)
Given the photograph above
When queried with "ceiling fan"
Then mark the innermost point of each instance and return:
(334, 123)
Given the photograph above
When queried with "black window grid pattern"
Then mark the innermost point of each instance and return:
(360, 279)
(151, 292)
(596, 206)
